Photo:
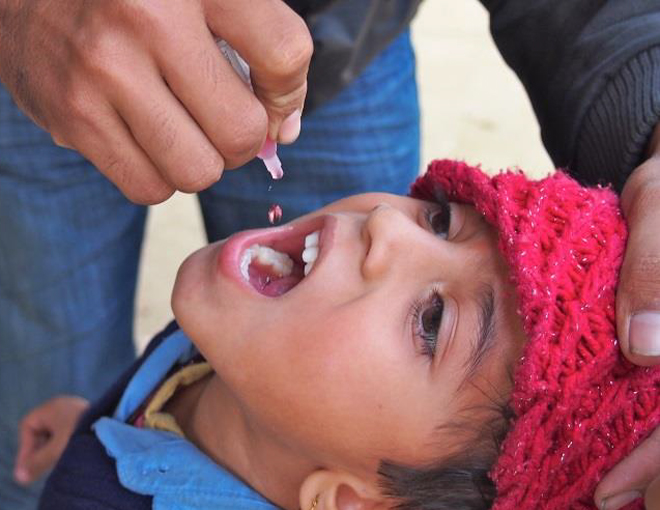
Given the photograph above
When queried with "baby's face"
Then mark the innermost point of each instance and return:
(404, 323)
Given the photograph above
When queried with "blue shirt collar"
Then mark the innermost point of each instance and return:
(175, 348)
(162, 464)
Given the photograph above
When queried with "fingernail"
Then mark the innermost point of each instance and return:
(644, 334)
(290, 128)
(21, 476)
(619, 500)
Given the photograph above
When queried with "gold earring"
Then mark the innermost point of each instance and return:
(315, 502)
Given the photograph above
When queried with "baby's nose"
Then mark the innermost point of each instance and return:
(386, 230)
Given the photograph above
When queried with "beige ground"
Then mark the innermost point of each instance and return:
(473, 108)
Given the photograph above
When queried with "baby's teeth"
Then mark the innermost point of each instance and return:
(310, 254)
(280, 262)
(312, 239)
(311, 251)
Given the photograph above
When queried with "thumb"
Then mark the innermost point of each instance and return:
(278, 47)
(629, 479)
(638, 294)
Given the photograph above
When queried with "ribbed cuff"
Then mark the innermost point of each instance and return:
(617, 128)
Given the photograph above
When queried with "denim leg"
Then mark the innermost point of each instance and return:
(69, 247)
(365, 139)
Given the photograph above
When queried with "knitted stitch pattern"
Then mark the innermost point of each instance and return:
(579, 405)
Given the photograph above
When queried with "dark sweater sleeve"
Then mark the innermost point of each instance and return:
(592, 71)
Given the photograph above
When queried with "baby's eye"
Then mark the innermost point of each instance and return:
(428, 317)
(439, 218)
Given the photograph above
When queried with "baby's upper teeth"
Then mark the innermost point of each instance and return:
(310, 254)
(312, 239)
(280, 262)
(311, 251)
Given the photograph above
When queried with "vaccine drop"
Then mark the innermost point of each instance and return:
(274, 214)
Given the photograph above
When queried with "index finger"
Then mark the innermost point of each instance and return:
(652, 495)
(277, 45)
(30, 437)
(630, 477)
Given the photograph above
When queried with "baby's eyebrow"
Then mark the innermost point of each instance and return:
(485, 331)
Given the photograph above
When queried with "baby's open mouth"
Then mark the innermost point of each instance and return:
(276, 269)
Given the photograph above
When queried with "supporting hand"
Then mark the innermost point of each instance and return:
(638, 325)
(638, 294)
(636, 476)
(43, 434)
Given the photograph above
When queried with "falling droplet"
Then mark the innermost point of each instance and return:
(270, 187)
(274, 214)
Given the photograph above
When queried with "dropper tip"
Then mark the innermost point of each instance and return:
(268, 154)
(274, 167)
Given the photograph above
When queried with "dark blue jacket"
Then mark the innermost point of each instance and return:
(85, 477)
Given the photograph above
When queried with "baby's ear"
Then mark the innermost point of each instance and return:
(334, 490)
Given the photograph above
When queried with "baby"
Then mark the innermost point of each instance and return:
(374, 354)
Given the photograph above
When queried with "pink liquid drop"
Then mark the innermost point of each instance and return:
(274, 214)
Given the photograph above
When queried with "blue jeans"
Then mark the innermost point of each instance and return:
(70, 242)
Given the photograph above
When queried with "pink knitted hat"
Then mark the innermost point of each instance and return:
(579, 405)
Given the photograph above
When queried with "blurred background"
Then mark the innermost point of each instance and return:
(473, 108)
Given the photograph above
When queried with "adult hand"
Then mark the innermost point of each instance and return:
(638, 294)
(43, 434)
(141, 90)
(636, 476)
(638, 325)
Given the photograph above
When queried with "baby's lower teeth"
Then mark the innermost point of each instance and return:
(281, 263)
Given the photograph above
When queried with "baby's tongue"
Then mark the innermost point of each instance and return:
(280, 286)
(269, 284)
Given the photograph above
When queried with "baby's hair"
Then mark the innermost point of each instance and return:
(459, 481)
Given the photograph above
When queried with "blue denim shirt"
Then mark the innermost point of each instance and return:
(162, 464)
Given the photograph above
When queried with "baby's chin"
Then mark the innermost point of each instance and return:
(192, 280)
